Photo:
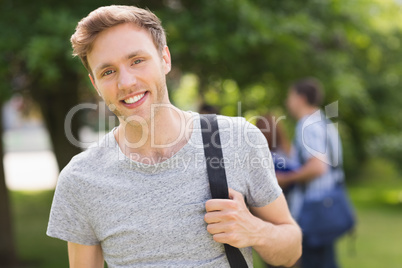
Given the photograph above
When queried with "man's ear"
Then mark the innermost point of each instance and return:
(166, 59)
(93, 83)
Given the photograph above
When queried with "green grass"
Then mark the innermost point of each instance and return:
(31, 212)
(378, 240)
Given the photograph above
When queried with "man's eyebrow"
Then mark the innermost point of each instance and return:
(129, 56)
(103, 66)
(136, 53)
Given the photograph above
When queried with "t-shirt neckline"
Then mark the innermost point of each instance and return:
(160, 165)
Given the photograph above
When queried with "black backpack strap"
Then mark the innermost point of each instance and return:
(217, 176)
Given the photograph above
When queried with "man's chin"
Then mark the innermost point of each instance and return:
(134, 120)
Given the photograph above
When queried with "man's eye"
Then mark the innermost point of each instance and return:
(137, 61)
(107, 73)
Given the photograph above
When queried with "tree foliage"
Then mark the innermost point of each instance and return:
(251, 51)
(35, 59)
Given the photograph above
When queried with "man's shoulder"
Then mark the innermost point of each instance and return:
(235, 125)
(93, 157)
(240, 133)
(228, 121)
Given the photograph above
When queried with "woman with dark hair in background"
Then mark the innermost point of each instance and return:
(278, 144)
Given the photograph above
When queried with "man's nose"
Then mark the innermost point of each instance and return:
(127, 79)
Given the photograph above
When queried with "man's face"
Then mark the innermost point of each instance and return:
(128, 71)
(293, 102)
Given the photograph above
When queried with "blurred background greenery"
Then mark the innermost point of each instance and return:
(236, 55)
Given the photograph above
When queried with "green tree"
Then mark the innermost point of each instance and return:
(8, 256)
(54, 76)
(259, 47)
(7, 246)
(35, 59)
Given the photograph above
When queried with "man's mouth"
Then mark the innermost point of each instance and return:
(134, 99)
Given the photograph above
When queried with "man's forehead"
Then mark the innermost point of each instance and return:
(120, 41)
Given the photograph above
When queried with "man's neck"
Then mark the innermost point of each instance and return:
(306, 110)
(167, 132)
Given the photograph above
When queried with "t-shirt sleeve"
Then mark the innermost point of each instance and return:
(68, 219)
(262, 185)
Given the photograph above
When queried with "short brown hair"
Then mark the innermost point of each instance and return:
(311, 89)
(106, 17)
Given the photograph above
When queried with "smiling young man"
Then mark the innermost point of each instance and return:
(141, 197)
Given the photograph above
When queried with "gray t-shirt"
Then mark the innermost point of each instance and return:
(152, 215)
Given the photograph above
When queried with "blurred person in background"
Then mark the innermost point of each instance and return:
(315, 178)
(279, 145)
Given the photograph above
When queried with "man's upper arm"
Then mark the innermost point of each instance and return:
(276, 212)
(82, 256)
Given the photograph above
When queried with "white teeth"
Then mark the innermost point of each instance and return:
(134, 99)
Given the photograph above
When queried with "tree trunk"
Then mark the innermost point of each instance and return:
(7, 248)
(55, 105)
